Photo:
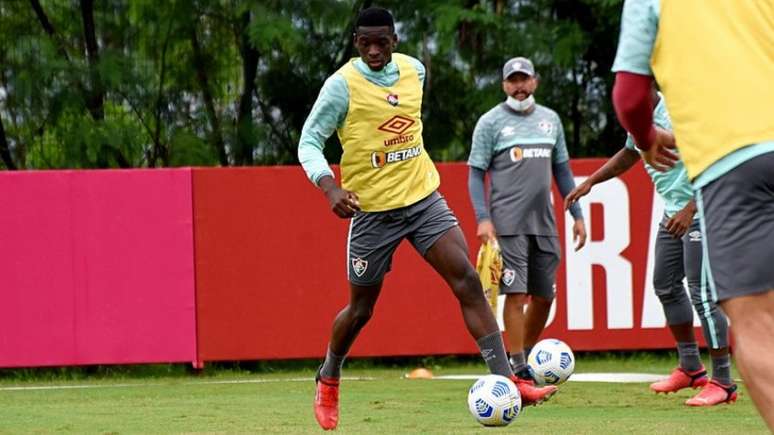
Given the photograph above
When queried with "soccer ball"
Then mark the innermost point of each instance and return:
(551, 361)
(494, 400)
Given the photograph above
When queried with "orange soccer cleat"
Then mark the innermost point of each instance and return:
(679, 379)
(531, 394)
(326, 402)
(713, 393)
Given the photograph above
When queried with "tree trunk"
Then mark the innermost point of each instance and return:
(95, 98)
(5, 150)
(209, 103)
(49, 28)
(348, 41)
(250, 56)
(577, 116)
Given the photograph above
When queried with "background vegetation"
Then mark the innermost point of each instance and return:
(141, 83)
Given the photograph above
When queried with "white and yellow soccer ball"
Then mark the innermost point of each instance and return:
(494, 400)
(551, 361)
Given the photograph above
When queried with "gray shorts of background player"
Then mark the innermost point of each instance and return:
(737, 210)
(374, 236)
(529, 264)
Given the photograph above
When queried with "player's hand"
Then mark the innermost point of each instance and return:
(579, 234)
(660, 155)
(580, 191)
(485, 231)
(678, 224)
(343, 202)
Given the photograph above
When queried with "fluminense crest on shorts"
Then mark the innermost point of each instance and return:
(359, 266)
(508, 276)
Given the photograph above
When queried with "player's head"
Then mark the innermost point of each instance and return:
(519, 78)
(375, 37)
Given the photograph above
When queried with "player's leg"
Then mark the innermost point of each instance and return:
(514, 319)
(434, 232)
(515, 251)
(713, 322)
(541, 281)
(370, 246)
(668, 274)
(752, 319)
(737, 215)
(449, 257)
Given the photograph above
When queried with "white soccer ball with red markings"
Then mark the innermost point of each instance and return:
(494, 400)
(551, 361)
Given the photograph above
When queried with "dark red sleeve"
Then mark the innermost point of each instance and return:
(633, 104)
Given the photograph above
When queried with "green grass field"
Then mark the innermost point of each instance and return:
(277, 398)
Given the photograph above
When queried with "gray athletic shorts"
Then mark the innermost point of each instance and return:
(529, 264)
(738, 223)
(374, 236)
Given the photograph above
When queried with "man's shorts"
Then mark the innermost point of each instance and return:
(529, 264)
(374, 236)
(738, 223)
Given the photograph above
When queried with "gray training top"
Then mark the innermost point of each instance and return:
(518, 150)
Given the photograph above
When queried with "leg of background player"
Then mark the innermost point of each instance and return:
(752, 320)
(515, 320)
(538, 310)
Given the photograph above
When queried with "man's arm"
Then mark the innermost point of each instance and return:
(615, 166)
(479, 160)
(328, 112)
(634, 106)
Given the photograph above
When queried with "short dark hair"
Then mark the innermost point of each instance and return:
(375, 17)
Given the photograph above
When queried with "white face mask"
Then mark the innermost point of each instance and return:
(520, 106)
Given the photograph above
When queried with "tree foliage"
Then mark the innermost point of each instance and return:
(141, 83)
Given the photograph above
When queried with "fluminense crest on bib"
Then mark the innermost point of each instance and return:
(392, 99)
(359, 266)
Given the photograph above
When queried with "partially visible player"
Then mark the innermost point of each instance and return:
(521, 145)
(714, 61)
(678, 256)
(389, 190)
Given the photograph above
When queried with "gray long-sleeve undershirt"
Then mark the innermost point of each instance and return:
(562, 175)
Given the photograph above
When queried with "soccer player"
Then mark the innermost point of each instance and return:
(714, 62)
(678, 255)
(389, 191)
(520, 144)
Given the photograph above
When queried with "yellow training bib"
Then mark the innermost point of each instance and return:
(384, 159)
(714, 61)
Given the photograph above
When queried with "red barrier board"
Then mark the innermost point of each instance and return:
(97, 267)
(271, 273)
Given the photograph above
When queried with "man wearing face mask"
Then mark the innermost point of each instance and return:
(520, 144)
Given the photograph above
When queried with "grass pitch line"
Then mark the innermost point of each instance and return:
(618, 378)
(235, 381)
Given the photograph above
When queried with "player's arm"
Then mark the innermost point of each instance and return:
(478, 161)
(632, 96)
(621, 162)
(328, 112)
